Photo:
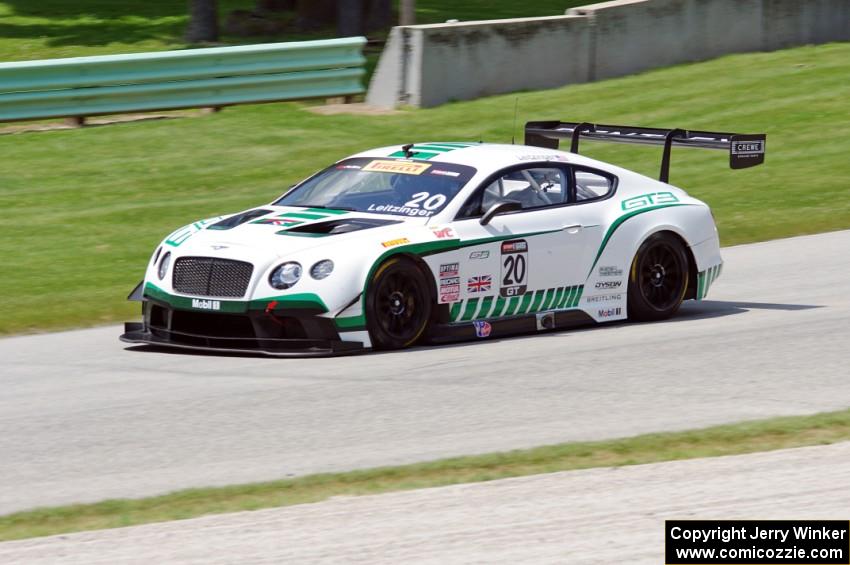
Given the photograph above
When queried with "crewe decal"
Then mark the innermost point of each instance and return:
(394, 242)
(514, 268)
(397, 167)
(479, 284)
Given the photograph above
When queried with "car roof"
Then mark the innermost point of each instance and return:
(483, 156)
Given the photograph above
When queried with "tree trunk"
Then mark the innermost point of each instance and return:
(349, 18)
(203, 21)
(407, 15)
(315, 14)
(266, 6)
(379, 15)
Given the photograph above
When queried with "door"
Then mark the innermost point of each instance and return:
(524, 261)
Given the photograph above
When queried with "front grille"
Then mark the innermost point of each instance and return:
(208, 276)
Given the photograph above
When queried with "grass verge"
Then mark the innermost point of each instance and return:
(48, 29)
(83, 209)
(746, 437)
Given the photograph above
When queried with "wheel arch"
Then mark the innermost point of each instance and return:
(691, 290)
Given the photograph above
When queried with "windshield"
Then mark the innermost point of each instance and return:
(382, 186)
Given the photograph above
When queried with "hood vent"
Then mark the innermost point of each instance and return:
(239, 219)
(335, 227)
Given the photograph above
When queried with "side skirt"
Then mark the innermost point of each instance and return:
(504, 327)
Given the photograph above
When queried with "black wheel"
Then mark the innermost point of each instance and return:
(398, 305)
(658, 278)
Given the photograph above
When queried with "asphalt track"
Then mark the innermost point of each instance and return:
(595, 516)
(85, 418)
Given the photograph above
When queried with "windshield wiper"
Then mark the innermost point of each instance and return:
(346, 208)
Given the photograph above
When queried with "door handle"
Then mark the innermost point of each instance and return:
(575, 228)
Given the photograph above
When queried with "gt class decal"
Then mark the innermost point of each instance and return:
(514, 280)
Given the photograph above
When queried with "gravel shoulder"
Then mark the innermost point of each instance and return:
(596, 516)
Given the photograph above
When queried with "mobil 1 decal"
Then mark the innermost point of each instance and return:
(514, 267)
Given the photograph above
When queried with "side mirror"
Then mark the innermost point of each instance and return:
(499, 208)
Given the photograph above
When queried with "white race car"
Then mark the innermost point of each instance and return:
(439, 242)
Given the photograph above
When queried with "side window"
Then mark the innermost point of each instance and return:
(534, 187)
(592, 186)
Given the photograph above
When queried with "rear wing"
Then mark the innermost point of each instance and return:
(745, 150)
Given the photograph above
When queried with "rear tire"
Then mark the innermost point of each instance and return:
(658, 278)
(398, 305)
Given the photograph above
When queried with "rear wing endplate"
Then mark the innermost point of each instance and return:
(745, 150)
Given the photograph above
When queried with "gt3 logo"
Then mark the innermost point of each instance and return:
(649, 200)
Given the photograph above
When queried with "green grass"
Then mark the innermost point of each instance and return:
(47, 29)
(83, 209)
(747, 437)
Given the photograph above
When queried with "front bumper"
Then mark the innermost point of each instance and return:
(134, 332)
(295, 333)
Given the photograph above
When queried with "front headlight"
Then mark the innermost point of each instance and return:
(322, 269)
(163, 265)
(285, 275)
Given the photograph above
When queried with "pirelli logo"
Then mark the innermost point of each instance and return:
(399, 167)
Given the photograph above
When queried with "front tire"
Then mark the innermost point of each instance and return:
(658, 278)
(398, 305)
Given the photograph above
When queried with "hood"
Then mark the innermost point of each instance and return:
(284, 230)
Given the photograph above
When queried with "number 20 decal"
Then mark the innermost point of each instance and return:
(514, 268)
(428, 201)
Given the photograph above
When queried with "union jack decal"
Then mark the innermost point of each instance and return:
(479, 284)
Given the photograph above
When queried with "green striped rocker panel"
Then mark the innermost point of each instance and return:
(560, 298)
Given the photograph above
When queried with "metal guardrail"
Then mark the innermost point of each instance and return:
(169, 80)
